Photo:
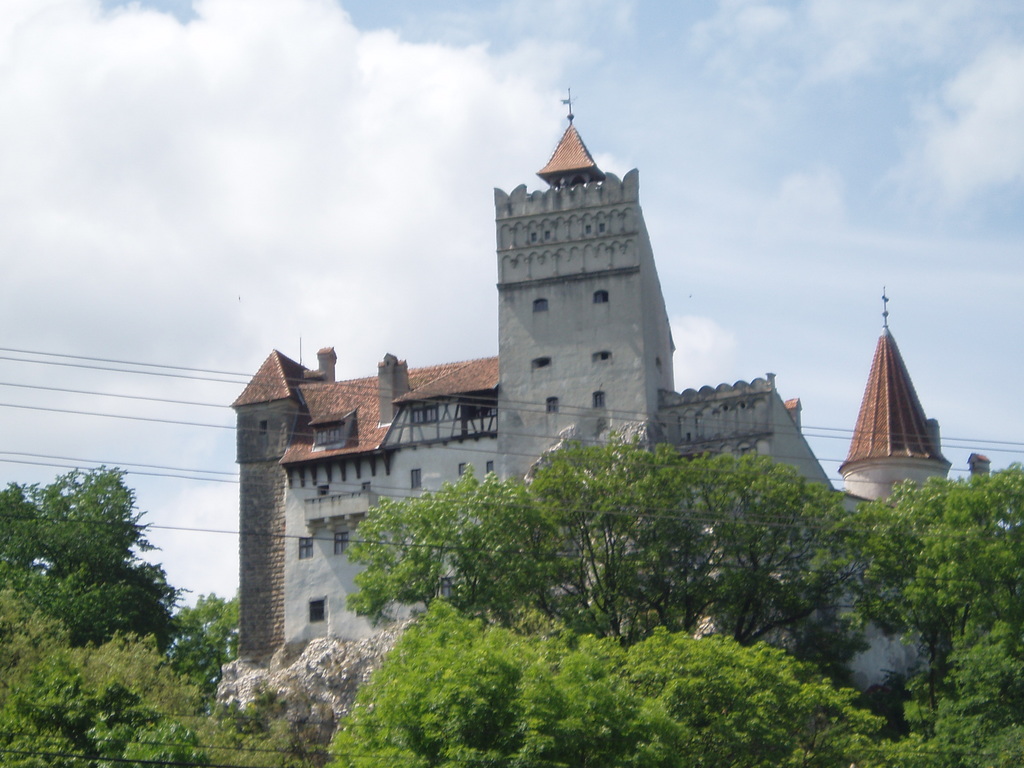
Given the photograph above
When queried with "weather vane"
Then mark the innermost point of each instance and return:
(885, 309)
(568, 103)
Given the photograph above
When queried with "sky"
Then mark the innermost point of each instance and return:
(186, 185)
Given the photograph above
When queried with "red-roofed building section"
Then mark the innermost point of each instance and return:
(893, 439)
(276, 379)
(571, 162)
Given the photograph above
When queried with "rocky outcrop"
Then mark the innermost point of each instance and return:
(315, 689)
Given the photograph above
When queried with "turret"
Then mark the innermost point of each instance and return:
(893, 440)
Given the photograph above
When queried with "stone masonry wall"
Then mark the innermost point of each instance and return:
(261, 558)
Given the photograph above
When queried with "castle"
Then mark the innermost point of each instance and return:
(584, 350)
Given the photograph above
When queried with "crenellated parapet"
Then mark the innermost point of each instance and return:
(570, 230)
(744, 417)
(716, 413)
(611, 191)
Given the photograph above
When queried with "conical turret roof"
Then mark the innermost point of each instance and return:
(891, 422)
(571, 162)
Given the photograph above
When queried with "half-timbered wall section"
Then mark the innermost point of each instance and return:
(441, 421)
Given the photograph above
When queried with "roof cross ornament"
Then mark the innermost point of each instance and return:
(885, 310)
(568, 103)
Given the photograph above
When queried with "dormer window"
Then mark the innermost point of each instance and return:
(540, 305)
(600, 297)
(331, 435)
(424, 414)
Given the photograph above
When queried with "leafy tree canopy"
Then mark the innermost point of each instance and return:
(455, 693)
(205, 639)
(945, 565)
(618, 540)
(72, 548)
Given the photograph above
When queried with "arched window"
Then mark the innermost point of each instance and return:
(540, 305)
(600, 297)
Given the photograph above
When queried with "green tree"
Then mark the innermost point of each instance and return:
(205, 639)
(455, 692)
(615, 541)
(489, 533)
(945, 565)
(71, 549)
(69, 706)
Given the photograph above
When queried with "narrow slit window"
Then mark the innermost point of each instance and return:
(541, 362)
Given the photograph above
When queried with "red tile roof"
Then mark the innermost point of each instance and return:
(360, 399)
(891, 420)
(570, 157)
(276, 379)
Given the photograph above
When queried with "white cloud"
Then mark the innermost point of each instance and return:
(805, 203)
(705, 352)
(974, 141)
(199, 193)
(809, 41)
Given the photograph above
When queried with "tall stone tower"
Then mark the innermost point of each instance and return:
(267, 413)
(584, 338)
(893, 440)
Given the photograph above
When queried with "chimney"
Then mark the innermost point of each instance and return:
(794, 407)
(393, 382)
(327, 359)
(978, 464)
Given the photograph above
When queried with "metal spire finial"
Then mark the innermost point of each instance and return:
(885, 310)
(568, 103)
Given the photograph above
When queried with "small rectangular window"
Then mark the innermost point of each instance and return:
(547, 234)
(587, 229)
(599, 399)
(540, 305)
(322, 490)
(424, 414)
(317, 610)
(365, 486)
(416, 478)
(551, 405)
(305, 548)
(600, 297)
(540, 362)
(490, 466)
(340, 542)
(264, 434)
(462, 468)
(602, 356)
